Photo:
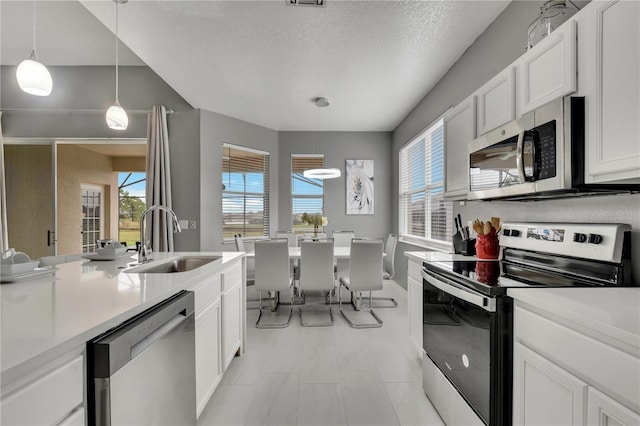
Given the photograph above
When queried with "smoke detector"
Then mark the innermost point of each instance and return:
(316, 3)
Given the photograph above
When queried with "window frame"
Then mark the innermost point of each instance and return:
(320, 164)
(427, 240)
(266, 195)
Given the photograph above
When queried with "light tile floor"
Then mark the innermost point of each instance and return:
(325, 376)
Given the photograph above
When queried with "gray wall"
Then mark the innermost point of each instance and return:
(338, 147)
(217, 129)
(501, 44)
(82, 96)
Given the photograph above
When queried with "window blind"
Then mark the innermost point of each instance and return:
(307, 195)
(424, 214)
(245, 194)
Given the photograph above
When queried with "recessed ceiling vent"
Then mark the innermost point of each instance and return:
(316, 3)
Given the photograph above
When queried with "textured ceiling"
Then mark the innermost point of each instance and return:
(263, 61)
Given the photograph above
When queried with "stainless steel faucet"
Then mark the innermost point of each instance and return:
(144, 250)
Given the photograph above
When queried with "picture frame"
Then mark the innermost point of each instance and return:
(360, 189)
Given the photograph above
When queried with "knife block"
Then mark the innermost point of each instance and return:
(468, 247)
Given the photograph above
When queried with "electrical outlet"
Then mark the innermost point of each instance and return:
(184, 224)
(192, 224)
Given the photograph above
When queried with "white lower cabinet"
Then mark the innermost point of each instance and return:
(563, 375)
(49, 397)
(232, 330)
(604, 411)
(219, 313)
(414, 297)
(208, 353)
(543, 393)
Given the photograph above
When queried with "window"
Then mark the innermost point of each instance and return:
(424, 215)
(307, 195)
(131, 202)
(245, 194)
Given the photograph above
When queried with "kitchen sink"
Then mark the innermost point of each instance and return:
(180, 264)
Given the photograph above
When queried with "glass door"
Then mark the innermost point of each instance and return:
(92, 217)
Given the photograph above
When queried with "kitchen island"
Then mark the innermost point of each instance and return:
(46, 321)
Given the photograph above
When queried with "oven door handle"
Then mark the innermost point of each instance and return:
(449, 287)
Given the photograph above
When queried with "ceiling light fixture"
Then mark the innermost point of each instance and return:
(328, 172)
(32, 76)
(116, 115)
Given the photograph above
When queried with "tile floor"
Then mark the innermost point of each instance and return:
(325, 376)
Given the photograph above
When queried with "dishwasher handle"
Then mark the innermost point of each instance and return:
(113, 350)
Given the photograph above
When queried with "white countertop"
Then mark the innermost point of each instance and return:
(611, 314)
(44, 317)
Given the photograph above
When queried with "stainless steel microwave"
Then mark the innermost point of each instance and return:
(540, 155)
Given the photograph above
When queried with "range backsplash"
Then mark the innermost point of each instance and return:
(624, 208)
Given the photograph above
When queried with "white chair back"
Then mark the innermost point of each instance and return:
(316, 265)
(389, 256)
(365, 265)
(273, 269)
(251, 266)
(292, 237)
(311, 235)
(343, 238)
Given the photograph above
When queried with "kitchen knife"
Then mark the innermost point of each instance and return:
(456, 239)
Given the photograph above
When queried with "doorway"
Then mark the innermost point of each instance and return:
(44, 180)
(30, 186)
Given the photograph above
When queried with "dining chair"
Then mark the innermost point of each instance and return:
(365, 274)
(273, 274)
(388, 269)
(342, 238)
(250, 268)
(292, 239)
(317, 273)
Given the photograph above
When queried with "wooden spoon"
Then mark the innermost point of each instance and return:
(487, 228)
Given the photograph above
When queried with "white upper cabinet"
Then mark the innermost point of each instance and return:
(548, 70)
(610, 43)
(497, 101)
(459, 130)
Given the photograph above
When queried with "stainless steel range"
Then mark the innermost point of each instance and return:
(468, 316)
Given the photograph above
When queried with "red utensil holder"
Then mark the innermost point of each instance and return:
(487, 246)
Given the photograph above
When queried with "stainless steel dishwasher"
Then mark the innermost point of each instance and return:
(142, 372)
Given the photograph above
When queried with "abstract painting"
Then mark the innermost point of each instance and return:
(360, 186)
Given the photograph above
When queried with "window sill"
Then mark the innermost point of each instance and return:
(429, 245)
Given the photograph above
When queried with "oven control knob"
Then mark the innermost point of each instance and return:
(506, 232)
(515, 233)
(595, 238)
(579, 238)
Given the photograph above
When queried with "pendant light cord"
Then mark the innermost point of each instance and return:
(117, 101)
(34, 26)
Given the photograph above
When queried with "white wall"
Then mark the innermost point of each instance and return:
(338, 147)
(216, 129)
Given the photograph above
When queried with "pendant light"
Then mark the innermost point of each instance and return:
(116, 115)
(32, 76)
(323, 173)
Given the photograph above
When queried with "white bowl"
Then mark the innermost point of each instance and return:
(19, 268)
